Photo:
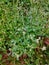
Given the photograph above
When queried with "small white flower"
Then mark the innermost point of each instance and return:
(17, 56)
(39, 38)
(37, 41)
(10, 49)
(22, 2)
(43, 48)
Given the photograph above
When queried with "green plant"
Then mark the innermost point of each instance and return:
(21, 21)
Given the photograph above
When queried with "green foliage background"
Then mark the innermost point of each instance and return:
(20, 22)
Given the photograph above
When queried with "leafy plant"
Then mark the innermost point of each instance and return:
(21, 22)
